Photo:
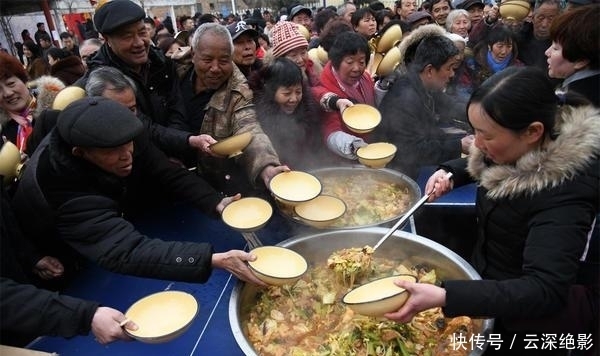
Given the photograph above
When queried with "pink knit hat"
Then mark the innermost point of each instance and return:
(286, 36)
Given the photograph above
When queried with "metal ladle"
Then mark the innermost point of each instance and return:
(406, 216)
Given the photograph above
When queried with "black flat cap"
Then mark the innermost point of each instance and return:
(467, 4)
(97, 122)
(117, 13)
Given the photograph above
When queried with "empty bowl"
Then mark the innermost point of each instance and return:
(67, 96)
(376, 155)
(379, 296)
(361, 118)
(389, 62)
(321, 211)
(514, 10)
(277, 266)
(391, 37)
(232, 146)
(162, 316)
(10, 161)
(247, 214)
(294, 187)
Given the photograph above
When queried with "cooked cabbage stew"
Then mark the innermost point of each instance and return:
(308, 318)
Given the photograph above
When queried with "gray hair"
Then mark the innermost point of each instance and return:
(341, 10)
(103, 77)
(453, 15)
(92, 41)
(213, 29)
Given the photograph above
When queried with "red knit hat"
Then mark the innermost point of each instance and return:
(286, 36)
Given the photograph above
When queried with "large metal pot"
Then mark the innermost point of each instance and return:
(387, 176)
(403, 247)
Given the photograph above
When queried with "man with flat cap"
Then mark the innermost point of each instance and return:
(128, 48)
(76, 186)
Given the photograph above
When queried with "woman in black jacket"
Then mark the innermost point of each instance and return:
(537, 169)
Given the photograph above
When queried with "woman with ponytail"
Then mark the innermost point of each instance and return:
(535, 161)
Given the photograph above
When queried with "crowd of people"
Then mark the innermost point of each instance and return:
(511, 104)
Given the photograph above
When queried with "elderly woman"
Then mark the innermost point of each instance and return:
(573, 55)
(345, 77)
(495, 54)
(18, 107)
(458, 22)
(537, 168)
(288, 42)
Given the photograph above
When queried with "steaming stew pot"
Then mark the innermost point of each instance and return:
(402, 247)
(372, 196)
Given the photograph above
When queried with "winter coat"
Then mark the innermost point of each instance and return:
(27, 311)
(157, 95)
(68, 200)
(36, 68)
(585, 84)
(68, 69)
(230, 111)
(414, 120)
(534, 218)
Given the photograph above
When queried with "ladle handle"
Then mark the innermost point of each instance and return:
(407, 215)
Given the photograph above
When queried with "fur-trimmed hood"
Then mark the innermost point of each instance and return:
(577, 145)
(47, 88)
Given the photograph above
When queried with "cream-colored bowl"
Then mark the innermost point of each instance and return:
(379, 296)
(376, 155)
(10, 161)
(320, 212)
(303, 31)
(514, 10)
(247, 214)
(361, 118)
(67, 96)
(294, 187)
(277, 266)
(391, 37)
(162, 316)
(232, 146)
(389, 62)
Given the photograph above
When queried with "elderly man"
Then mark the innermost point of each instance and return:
(245, 42)
(88, 48)
(127, 48)
(78, 183)
(346, 10)
(219, 103)
(534, 38)
(301, 15)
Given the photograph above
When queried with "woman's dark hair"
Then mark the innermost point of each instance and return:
(322, 18)
(57, 53)
(282, 72)
(9, 66)
(165, 42)
(332, 30)
(36, 51)
(578, 33)
(360, 14)
(434, 50)
(518, 96)
(381, 15)
(346, 44)
(503, 35)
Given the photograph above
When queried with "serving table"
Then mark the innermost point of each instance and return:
(210, 333)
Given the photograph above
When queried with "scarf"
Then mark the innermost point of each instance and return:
(497, 66)
(24, 119)
(357, 92)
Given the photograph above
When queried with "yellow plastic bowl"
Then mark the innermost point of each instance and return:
(67, 96)
(361, 118)
(391, 37)
(247, 214)
(162, 316)
(321, 212)
(379, 296)
(514, 9)
(376, 155)
(294, 187)
(232, 146)
(277, 266)
(389, 62)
